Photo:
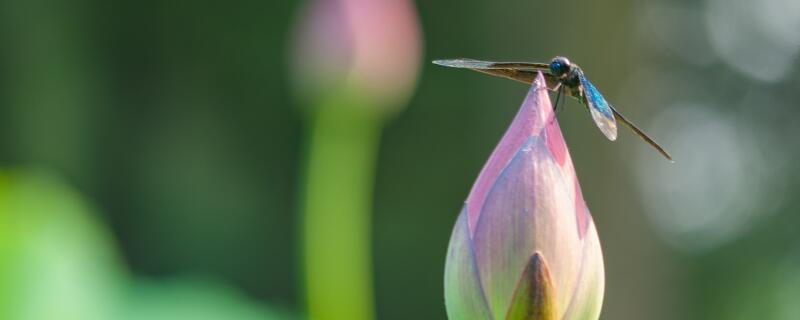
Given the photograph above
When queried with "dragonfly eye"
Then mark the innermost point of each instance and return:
(560, 66)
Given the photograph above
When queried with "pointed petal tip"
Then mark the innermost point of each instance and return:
(539, 82)
(538, 102)
(534, 298)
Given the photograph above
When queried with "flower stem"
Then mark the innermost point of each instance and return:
(341, 152)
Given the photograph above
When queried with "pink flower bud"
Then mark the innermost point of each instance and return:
(371, 46)
(524, 245)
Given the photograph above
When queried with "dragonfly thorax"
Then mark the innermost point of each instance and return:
(573, 78)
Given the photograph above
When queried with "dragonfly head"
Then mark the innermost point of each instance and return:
(560, 66)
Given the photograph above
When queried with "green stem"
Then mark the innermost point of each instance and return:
(341, 156)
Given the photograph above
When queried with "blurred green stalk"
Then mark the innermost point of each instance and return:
(341, 152)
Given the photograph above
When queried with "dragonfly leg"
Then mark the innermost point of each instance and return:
(558, 98)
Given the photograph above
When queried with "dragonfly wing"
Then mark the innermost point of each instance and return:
(641, 134)
(601, 111)
(524, 72)
(479, 64)
(524, 76)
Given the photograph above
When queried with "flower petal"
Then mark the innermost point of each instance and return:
(463, 295)
(558, 149)
(534, 298)
(528, 122)
(587, 298)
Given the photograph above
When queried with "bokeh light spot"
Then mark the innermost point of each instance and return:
(756, 38)
(720, 184)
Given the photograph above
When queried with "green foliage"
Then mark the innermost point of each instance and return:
(58, 262)
(193, 298)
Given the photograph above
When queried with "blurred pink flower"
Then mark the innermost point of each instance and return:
(524, 245)
(371, 45)
(354, 61)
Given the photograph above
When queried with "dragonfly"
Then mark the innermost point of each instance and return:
(564, 77)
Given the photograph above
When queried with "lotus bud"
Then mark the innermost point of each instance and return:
(525, 245)
(365, 46)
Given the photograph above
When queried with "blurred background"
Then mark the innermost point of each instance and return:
(154, 153)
